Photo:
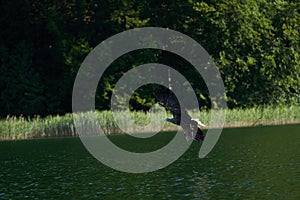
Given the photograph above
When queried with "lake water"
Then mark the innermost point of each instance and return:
(246, 163)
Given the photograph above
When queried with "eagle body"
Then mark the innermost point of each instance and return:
(190, 127)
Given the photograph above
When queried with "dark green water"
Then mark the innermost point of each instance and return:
(246, 163)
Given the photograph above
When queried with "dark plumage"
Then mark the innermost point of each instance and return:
(190, 126)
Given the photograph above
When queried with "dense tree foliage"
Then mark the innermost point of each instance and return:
(255, 44)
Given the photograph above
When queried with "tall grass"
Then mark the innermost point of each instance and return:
(54, 126)
(263, 116)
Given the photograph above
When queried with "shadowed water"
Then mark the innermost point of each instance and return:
(246, 163)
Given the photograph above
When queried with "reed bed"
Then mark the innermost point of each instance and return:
(56, 126)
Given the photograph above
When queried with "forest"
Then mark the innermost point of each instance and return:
(254, 43)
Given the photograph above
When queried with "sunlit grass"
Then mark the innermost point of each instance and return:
(54, 126)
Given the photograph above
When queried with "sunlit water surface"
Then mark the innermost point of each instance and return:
(246, 163)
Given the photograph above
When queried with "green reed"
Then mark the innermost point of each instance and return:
(55, 126)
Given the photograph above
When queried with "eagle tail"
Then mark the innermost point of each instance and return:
(199, 135)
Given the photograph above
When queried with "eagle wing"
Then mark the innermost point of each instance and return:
(169, 101)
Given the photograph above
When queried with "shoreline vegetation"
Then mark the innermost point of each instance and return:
(14, 128)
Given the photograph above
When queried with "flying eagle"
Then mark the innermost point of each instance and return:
(190, 127)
